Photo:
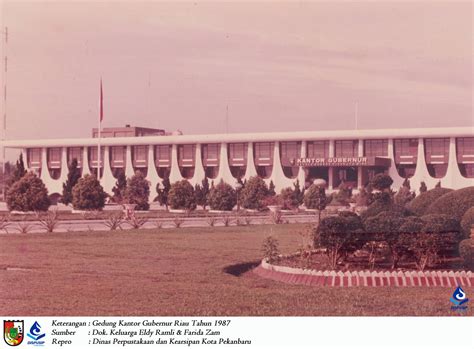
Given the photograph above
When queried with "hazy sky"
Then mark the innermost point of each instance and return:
(279, 66)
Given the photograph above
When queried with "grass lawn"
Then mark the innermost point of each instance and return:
(179, 272)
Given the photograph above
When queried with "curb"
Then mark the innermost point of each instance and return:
(364, 277)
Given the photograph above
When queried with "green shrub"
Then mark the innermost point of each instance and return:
(454, 204)
(88, 194)
(181, 196)
(392, 228)
(138, 191)
(222, 197)
(28, 193)
(289, 199)
(74, 173)
(270, 249)
(419, 205)
(315, 198)
(466, 251)
(253, 193)
(340, 235)
(343, 195)
(467, 222)
(384, 203)
(381, 182)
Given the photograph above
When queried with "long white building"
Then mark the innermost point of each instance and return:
(353, 156)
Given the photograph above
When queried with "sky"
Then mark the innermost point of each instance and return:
(276, 66)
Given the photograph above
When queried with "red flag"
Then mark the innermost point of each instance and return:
(101, 116)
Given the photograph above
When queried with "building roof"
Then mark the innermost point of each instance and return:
(250, 137)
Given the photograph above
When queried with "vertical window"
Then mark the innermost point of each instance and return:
(317, 149)
(346, 148)
(376, 147)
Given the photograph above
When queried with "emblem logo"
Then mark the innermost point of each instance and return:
(35, 334)
(13, 332)
(459, 299)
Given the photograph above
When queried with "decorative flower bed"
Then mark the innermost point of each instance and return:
(312, 277)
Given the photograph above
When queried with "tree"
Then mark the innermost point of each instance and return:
(201, 192)
(315, 198)
(438, 185)
(381, 182)
(74, 173)
(343, 194)
(18, 172)
(181, 196)
(138, 191)
(88, 194)
(467, 222)
(271, 189)
(253, 193)
(423, 187)
(28, 194)
(298, 193)
(163, 193)
(120, 188)
(222, 197)
(288, 199)
(406, 183)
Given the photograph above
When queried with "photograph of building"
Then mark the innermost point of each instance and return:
(354, 156)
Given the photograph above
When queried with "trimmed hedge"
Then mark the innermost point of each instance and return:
(467, 222)
(420, 204)
(453, 204)
(466, 251)
(253, 193)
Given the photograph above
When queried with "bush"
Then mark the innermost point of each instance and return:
(138, 191)
(340, 235)
(466, 251)
(419, 205)
(88, 194)
(120, 187)
(454, 203)
(270, 249)
(386, 227)
(403, 196)
(384, 203)
(289, 201)
(222, 197)
(201, 192)
(253, 193)
(181, 196)
(381, 182)
(28, 194)
(467, 221)
(343, 194)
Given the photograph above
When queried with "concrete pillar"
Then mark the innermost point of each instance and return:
(360, 169)
(129, 172)
(45, 177)
(107, 181)
(85, 161)
(278, 176)
(199, 172)
(251, 171)
(392, 171)
(331, 169)
(454, 179)
(301, 171)
(25, 159)
(152, 174)
(175, 174)
(224, 168)
(64, 165)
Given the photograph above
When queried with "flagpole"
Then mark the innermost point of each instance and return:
(99, 131)
(4, 133)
